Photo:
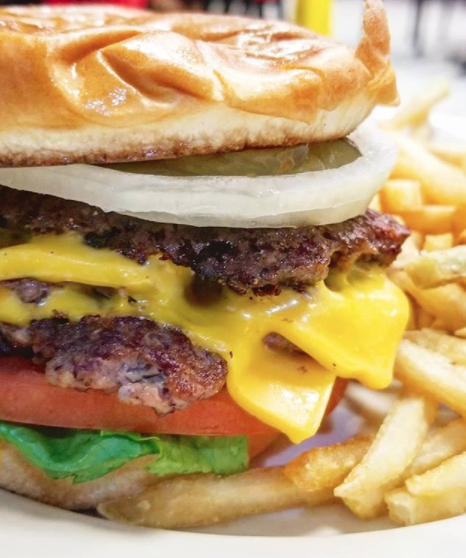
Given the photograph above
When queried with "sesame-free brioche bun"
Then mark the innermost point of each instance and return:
(104, 84)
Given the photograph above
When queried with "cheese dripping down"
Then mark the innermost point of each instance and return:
(348, 326)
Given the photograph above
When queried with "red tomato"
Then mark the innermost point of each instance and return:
(27, 397)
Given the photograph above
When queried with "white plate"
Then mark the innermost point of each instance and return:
(32, 530)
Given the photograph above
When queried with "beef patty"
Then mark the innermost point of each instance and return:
(27, 289)
(145, 363)
(152, 364)
(258, 260)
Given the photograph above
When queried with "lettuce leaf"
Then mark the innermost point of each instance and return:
(85, 455)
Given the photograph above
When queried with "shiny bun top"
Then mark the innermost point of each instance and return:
(94, 83)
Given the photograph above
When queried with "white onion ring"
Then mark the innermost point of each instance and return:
(310, 198)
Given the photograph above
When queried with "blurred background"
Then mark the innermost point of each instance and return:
(431, 28)
(428, 36)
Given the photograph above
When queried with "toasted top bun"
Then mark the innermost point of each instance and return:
(104, 84)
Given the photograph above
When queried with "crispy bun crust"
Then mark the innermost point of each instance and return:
(99, 83)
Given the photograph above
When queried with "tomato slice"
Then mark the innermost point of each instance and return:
(27, 397)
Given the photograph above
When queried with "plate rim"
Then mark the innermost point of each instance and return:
(90, 535)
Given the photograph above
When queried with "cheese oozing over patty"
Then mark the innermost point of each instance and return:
(348, 326)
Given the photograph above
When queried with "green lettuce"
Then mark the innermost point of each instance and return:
(85, 455)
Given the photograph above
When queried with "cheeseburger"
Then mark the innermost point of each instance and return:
(189, 267)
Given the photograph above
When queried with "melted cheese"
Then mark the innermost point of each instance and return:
(350, 328)
(54, 259)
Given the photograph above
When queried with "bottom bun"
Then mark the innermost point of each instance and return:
(18, 475)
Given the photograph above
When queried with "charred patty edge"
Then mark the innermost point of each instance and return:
(145, 363)
(261, 261)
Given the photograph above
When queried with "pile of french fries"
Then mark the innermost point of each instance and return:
(411, 468)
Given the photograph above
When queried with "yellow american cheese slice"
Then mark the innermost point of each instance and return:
(349, 329)
(55, 258)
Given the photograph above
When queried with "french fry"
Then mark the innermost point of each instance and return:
(432, 373)
(438, 324)
(450, 153)
(416, 111)
(392, 451)
(448, 476)
(441, 444)
(461, 333)
(327, 467)
(429, 360)
(459, 223)
(434, 242)
(423, 318)
(441, 183)
(406, 509)
(448, 303)
(197, 500)
(409, 252)
(438, 268)
(422, 133)
(440, 342)
(461, 237)
(401, 195)
(413, 311)
(430, 219)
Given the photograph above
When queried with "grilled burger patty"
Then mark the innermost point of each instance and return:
(27, 289)
(147, 364)
(261, 260)
(157, 365)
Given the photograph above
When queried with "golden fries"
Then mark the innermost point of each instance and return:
(409, 253)
(422, 318)
(328, 466)
(432, 373)
(416, 112)
(438, 242)
(401, 195)
(459, 223)
(436, 494)
(430, 219)
(447, 303)
(448, 476)
(427, 190)
(438, 268)
(447, 345)
(441, 183)
(461, 333)
(406, 509)
(197, 500)
(453, 154)
(439, 445)
(392, 451)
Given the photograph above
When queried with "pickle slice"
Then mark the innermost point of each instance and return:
(252, 162)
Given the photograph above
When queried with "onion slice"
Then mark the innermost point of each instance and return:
(309, 198)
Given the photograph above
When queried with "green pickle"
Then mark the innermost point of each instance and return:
(253, 162)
